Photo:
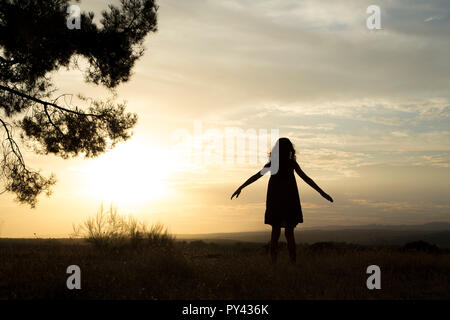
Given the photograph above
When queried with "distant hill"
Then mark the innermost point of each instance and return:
(437, 233)
(432, 226)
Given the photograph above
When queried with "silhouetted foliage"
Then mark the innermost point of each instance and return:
(109, 229)
(36, 42)
(421, 246)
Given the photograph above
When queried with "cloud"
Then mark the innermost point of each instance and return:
(210, 56)
(433, 18)
(436, 160)
(403, 206)
(399, 134)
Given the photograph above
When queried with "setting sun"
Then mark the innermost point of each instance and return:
(131, 173)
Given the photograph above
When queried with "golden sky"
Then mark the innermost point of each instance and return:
(368, 112)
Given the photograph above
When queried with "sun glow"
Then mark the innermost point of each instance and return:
(131, 173)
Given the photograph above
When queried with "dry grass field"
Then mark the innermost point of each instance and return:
(36, 269)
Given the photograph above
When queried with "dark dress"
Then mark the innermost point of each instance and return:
(283, 208)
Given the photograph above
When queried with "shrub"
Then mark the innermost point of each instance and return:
(110, 229)
(421, 246)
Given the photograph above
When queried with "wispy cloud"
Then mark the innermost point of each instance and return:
(433, 18)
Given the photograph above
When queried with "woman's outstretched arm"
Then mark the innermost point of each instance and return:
(311, 182)
(250, 180)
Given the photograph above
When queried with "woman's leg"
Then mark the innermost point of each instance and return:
(274, 242)
(289, 233)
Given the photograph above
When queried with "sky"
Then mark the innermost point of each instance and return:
(367, 110)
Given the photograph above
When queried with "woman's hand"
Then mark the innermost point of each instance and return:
(236, 193)
(327, 196)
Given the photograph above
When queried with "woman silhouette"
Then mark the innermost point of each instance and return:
(283, 209)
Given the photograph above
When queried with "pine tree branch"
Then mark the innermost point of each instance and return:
(46, 103)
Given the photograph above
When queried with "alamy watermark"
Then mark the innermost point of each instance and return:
(374, 280)
(373, 22)
(229, 145)
(74, 280)
(74, 19)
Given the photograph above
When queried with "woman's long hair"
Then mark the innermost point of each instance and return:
(283, 150)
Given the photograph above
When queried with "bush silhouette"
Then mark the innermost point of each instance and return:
(421, 246)
(110, 229)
